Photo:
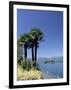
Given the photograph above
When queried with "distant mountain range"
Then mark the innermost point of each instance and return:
(52, 59)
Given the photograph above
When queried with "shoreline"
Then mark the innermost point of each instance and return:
(49, 76)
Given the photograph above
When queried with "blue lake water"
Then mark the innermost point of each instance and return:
(55, 69)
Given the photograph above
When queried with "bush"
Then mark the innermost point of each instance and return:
(26, 65)
(20, 60)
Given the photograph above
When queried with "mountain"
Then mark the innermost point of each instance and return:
(52, 59)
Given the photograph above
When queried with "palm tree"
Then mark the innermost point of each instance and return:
(35, 37)
(31, 45)
(31, 40)
(23, 41)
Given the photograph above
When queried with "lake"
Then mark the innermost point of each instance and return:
(53, 69)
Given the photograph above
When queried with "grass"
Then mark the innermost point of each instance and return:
(32, 74)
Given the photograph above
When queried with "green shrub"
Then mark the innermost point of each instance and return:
(26, 65)
(20, 60)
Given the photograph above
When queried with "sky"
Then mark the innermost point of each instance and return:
(50, 23)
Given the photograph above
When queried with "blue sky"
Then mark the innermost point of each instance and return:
(50, 23)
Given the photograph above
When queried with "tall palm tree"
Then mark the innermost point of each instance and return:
(23, 41)
(35, 37)
(31, 44)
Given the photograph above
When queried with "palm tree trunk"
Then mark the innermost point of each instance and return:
(35, 54)
(25, 52)
(32, 55)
